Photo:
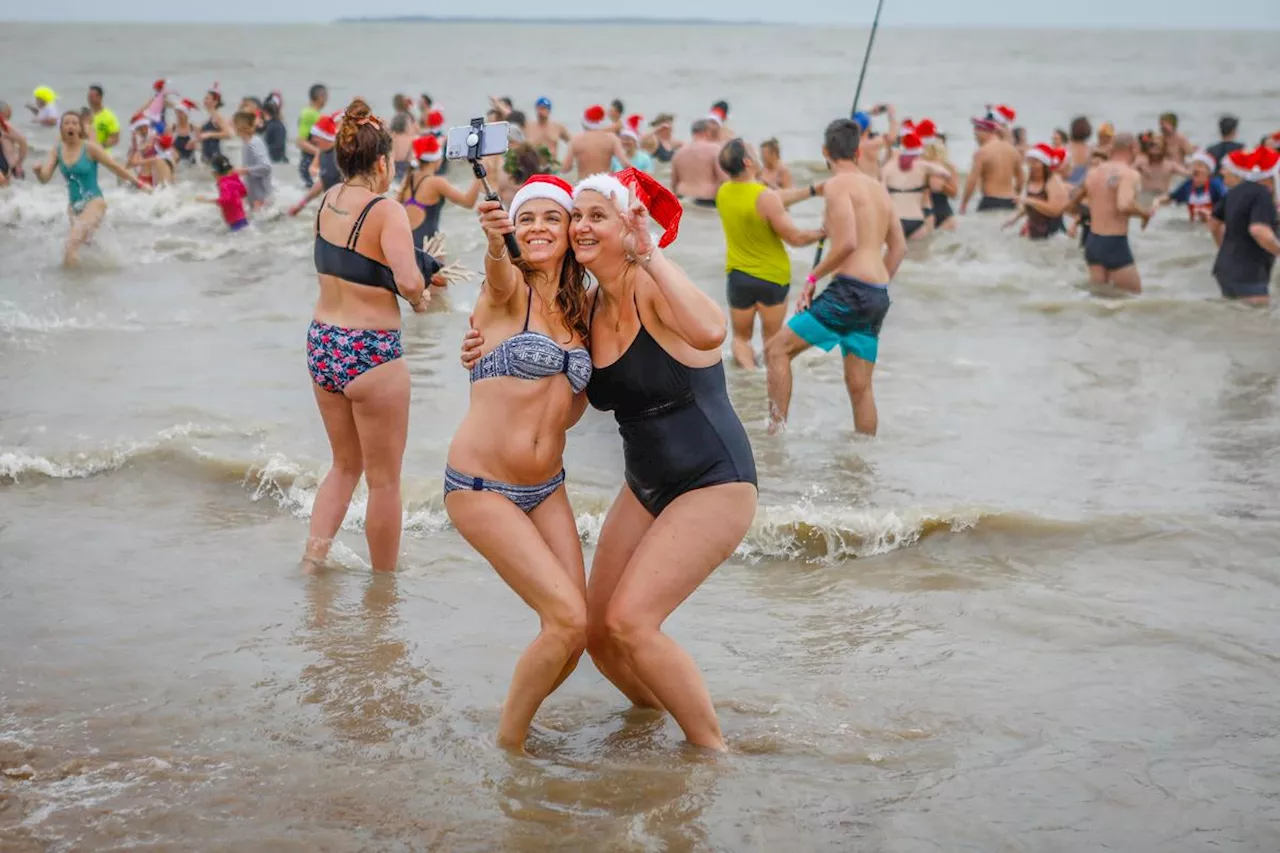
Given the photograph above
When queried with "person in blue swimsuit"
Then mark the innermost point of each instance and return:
(78, 159)
(504, 488)
(364, 259)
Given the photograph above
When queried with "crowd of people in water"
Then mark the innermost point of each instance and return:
(581, 307)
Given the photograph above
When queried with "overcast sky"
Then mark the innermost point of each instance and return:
(1241, 14)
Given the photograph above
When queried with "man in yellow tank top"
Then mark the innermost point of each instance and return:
(756, 225)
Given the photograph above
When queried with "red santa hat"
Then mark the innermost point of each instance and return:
(158, 86)
(434, 120)
(926, 130)
(664, 208)
(911, 146)
(1206, 158)
(164, 146)
(1256, 165)
(594, 117)
(427, 149)
(550, 187)
(985, 124)
(718, 115)
(633, 122)
(1003, 115)
(325, 128)
(139, 120)
(1045, 153)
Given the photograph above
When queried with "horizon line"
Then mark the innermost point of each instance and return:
(1145, 26)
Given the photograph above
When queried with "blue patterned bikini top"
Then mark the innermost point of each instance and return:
(533, 355)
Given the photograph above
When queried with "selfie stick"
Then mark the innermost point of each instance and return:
(857, 95)
(473, 154)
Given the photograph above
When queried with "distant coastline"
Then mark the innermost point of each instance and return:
(594, 22)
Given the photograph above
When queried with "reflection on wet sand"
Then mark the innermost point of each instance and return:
(363, 682)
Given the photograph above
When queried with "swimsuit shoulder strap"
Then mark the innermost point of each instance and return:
(324, 197)
(355, 232)
(529, 308)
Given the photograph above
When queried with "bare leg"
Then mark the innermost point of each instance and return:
(380, 405)
(857, 379)
(778, 354)
(624, 527)
(743, 321)
(686, 543)
(559, 529)
(334, 495)
(83, 226)
(1097, 275)
(771, 319)
(1126, 279)
(508, 539)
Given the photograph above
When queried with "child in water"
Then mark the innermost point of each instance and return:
(231, 193)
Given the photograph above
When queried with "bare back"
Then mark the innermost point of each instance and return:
(1000, 167)
(345, 303)
(546, 134)
(593, 151)
(874, 214)
(695, 171)
(1104, 186)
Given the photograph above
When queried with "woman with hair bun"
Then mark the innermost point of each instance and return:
(365, 258)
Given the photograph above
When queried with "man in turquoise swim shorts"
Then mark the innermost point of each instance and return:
(865, 247)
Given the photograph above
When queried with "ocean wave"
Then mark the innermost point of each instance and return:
(14, 320)
(805, 531)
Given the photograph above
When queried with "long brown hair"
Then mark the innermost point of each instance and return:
(362, 140)
(571, 292)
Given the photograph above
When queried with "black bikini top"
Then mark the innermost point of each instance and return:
(345, 262)
(644, 381)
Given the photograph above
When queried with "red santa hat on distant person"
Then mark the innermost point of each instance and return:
(164, 146)
(1048, 155)
(434, 120)
(594, 117)
(926, 130)
(1256, 165)
(325, 128)
(427, 149)
(184, 105)
(985, 124)
(910, 145)
(139, 120)
(664, 208)
(718, 115)
(1206, 158)
(550, 187)
(158, 86)
(1003, 115)
(631, 126)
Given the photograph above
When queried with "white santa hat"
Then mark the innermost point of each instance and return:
(594, 117)
(550, 187)
(1206, 158)
(608, 186)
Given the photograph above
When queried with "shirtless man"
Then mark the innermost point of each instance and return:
(718, 116)
(873, 149)
(1112, 193)
(695, 168)
(1176, 146)
(544, 131)
(593, 150)
(998, 165)
(866, 245)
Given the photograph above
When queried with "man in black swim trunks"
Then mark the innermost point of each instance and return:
(695, 168)
(1111, 191)
(1244, 225)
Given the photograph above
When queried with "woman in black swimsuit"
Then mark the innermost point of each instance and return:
(1045, 196)
(690, 492)
(213, 131)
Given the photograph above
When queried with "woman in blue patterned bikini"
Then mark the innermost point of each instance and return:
(504, 483)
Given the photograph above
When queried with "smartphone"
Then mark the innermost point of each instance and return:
(494, 139)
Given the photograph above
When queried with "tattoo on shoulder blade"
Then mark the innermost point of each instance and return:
(336, 210)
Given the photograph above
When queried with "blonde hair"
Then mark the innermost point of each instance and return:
(935, 152)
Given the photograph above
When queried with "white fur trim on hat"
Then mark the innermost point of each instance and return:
(630, 134)
(540, 189)
(1206, 158)
(1040, 155)
(608, 186)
